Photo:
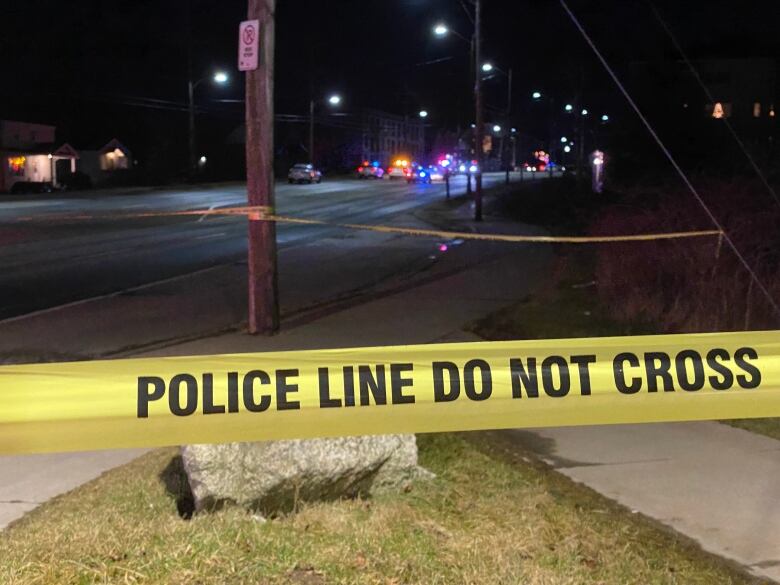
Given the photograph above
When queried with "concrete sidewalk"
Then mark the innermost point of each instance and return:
(716, 484)
(30, 480)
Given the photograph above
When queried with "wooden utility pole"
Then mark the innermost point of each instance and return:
(263, 288)
(479, 129)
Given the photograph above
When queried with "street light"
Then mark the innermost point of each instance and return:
(564, 139)
(442, 30)
(536, 95)
(333, 100)
(496, 128)
(605, 118)
(476, 58)
(487, 67)
(220, 78)
(423, 113)
(584, 112)
(568, 107)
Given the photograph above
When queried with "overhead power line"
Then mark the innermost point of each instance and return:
(670, 157)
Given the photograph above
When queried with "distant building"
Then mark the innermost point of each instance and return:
(107, 163)
(385, 136)
(743, 91)
(29, 153)
(341, 141)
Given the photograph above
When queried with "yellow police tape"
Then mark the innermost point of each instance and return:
(407, 389)
(265, 213)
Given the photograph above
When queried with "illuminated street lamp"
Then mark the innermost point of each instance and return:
(568, 108)
(604, 118)
(487, 67)
(496, 128)
(442, 30)
(584, 112)
(564, 139)
(536, 95)
(334, 100)
(423, 113)
(220, 78)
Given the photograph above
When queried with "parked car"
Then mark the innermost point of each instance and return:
(31, 187)
(370, 171)
(304, 173)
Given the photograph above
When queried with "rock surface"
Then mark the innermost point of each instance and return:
(274, 476)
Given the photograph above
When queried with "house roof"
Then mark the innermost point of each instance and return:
(63, 150)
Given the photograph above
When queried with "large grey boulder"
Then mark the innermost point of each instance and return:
(274, 476)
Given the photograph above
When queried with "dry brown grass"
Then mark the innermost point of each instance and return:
(490, 517)
(691, 285)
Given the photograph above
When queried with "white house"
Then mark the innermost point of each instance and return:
(28, 153)
(105, 163)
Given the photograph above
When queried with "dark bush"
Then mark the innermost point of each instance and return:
(692, 284)
(76, 181)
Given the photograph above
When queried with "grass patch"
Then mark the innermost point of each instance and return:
(489, 517)
(568, 308)
(769, 427)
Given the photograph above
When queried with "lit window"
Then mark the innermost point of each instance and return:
(719, 110)
(113, 160)
(16, 166)
(757, 110)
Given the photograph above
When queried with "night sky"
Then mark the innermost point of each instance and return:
(101, 69)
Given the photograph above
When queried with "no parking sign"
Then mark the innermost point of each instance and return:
(248, 45)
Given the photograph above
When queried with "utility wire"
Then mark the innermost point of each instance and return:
(467, 11)
(710, 97)
(669, 156)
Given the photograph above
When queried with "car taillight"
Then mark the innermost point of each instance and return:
(360, 169)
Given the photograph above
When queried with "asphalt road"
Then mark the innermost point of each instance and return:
(65, 248)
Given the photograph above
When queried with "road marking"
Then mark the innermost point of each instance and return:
(202, 217)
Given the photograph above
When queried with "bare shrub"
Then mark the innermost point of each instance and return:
(691, 284)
